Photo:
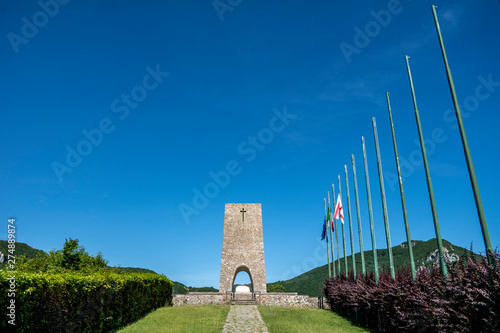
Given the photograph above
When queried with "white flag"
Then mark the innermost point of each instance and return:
(339, 210)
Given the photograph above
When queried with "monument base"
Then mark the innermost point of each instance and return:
(202, 298)
(268, 299)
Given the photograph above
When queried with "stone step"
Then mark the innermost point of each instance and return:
(243, 302)
(243, 296)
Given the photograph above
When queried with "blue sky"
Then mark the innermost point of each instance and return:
(114, 114)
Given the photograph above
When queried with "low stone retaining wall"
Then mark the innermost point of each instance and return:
(287, 299)
(195, 298)
(276, 299)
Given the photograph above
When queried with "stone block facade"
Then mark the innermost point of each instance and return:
(243, 246)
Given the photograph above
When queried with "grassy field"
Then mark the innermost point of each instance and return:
(203, 318)
(211, 318)
(304, 320)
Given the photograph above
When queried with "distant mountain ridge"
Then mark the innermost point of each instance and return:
(424, 252)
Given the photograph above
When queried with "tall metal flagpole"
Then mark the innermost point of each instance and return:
(370, 214)
(403, 202)
(336, 231)
(350, 223)
(343, 234)
(384, 204)
(327, 252)
(331, 236)
(363, 268)
(444, 270)
(468, 157)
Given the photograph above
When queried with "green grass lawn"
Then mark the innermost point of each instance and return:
(304, 320)
(211, 318)
(203, 318)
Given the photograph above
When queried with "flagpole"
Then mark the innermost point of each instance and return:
(370, 214)
(384, 204)
(331, 236)
(468, 157)
(363, 269)
(327, 252)
(336, 231)
(403, 201)
(353, 257)
(343, 234)
(444, 270)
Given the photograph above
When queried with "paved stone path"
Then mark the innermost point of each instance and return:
(244, 319)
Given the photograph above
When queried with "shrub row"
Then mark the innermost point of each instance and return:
(72, 302)
(468, 301)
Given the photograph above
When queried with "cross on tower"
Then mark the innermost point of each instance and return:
(243, 211)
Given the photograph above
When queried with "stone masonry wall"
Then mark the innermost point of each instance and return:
(290, 300)
(201, 299)
(243, 246)
(274, 299)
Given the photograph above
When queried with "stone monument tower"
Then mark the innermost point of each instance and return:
(243, 247)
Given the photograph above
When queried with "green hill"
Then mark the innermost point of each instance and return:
(29, 252)
(21, 250)
(181, 289)
(311, 282)
(135, 270)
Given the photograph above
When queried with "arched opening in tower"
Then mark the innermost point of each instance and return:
(242, 281)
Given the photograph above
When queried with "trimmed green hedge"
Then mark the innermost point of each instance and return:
(72, 302)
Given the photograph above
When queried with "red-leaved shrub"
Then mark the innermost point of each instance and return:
(467, 301)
